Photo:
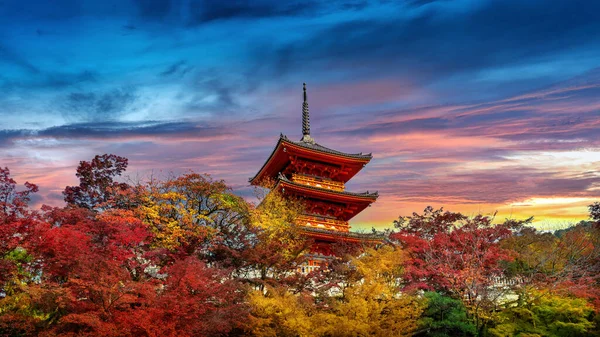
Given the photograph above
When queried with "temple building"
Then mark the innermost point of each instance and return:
(316, 174)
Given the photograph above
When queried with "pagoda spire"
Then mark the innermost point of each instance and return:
(306, 119)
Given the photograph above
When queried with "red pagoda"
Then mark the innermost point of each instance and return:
(317, 174)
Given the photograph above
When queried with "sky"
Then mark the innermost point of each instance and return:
(472, 105)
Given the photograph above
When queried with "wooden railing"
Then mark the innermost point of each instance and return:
(322, 222)
(315, 262)
(318, 182)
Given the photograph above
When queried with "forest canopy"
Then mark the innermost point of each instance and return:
(185, 256)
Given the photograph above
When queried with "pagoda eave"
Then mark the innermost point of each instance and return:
(334, 195)
(354, 203)
(280, 158)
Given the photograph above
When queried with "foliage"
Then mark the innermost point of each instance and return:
(545, 314)
(184, 212)
(595, 212)
(365, 303)
(15, 222)
(371, 302)
(278, 245)
(278, 312)
(13, 203)
(97, 188)
(184, 256)
(569, 261)
(457, 255)
(445, 316)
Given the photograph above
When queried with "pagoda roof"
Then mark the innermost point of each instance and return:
(363, 195)
(359, 201)
(320, 148)
(274, 164)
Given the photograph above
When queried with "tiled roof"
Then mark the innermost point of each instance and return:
(367, 194)
(312, 146)
(321, 148)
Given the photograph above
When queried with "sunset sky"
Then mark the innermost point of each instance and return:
(477, 106)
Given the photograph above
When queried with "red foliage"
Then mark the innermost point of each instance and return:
(15, 219)
(101, 278)
(452, 253)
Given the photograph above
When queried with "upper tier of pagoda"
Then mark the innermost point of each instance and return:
(317, 174)
(311, 159)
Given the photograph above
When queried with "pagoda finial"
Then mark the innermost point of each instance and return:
(306, 119)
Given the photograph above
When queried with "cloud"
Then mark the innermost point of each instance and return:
(154, 9)
(12, 58)
(462, 102)
(204, 11)
(91, 106)
(179, 68)
(445, 40)
(117, 131)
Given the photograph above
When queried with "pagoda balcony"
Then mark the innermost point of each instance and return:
(318, 182)
(315, 221)
(314, 263)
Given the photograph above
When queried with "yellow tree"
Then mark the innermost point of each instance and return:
(364, 302)
(279, 312)
(371, 303)
(184, 212)
(278, 246)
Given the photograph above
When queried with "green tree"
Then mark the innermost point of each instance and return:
(445, 316)
(545, 314)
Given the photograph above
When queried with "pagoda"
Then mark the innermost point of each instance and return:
(316, 174)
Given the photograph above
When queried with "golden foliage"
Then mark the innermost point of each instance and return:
(369, 305)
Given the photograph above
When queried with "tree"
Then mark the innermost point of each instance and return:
(101, 277)
(371, 301)
(278, 247)
(540, 313)
(459, 256)
(445, 316)
(278, 312)
(193, 300)
(97, 188)
(187, 211)
(15, 223)
(569, 262)
(595, 212)
(13, 203)
(366, 302)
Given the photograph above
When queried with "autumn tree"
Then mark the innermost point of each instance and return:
(84, 272)
(100, 277)
(186, 212)
(13, 203)
(279, 312)
(16, 221)
(547, 261)
(97, 187)
(458, 256)
(278, 246)
(543, 313)
(367, 302)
